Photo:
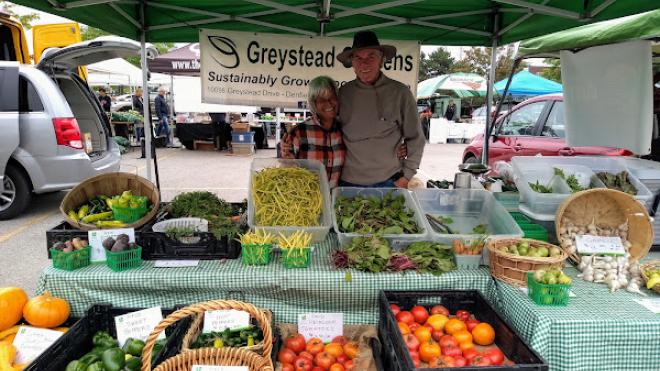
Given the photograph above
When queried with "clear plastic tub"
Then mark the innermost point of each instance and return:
(542, 203)
(397, 241)
(315, 166)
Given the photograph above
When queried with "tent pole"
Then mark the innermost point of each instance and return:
(145, 88)
(516, 63)
(489, 94)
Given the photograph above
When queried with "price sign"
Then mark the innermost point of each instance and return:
(175, 263)
(652, 304)
(30, 342)
(138, 325)
(219, 368)
(220, 320)
(324, 326)
(589, 245)
(97, 237)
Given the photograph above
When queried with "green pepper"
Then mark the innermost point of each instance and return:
(113, 359)
(91, 357)
(104, 340)
(158, 347)
(76, 366)
(135, 349)
(127, 344)
(96, 366)
(133, 364)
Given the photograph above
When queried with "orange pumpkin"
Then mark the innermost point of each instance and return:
(12, 301)
(46, 311)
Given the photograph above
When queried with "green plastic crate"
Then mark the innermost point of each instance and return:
(121, 261)
(510, 200)
(520, 218)
(467, 261)
(70, 261)
(534, 231)
(297, 258)
(553, 295)
(128, 215)
(256, 254)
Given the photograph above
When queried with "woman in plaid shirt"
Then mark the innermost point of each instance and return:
(319, 137)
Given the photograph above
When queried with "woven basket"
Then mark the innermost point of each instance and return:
(608, 208)
(109, 184)
(650, 266)
(213, 356)
(512, 268)
(198, 325)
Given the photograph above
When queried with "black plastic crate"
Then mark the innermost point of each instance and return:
(77, 342)
(61, 233)
(395, 353)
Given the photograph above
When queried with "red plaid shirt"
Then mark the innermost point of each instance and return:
(311, 141)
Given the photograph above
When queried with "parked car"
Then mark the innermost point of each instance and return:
(44, 113)
(533, 127)
(479, 114)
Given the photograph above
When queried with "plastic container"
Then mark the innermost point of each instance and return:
(125, 260)
(509, 200)
(198, 224)
(247, 137)
(256, 254)
(519, 218)
(467, 261)
(242, 148)
(535, 232)
(128, 214)
(70, 261)
(315, 166)
(468, 208)
(61, 233)
(298, 258)
(396, 356)
(397, 241)
(545, 221)
(77, 341)
(541, 294)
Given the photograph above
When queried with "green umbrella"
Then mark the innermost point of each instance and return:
(464, 85)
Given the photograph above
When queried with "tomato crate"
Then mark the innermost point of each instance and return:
(70, 261)
(77, 341)
(395, 353)
(552, 295)
(256, 254)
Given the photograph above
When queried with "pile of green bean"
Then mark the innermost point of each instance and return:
(287, 196)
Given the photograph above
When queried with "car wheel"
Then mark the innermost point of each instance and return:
(470, 160)
(16, 194)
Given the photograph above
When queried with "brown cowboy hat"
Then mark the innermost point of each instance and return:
(365, 40)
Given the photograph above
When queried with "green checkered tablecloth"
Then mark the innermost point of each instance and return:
(596, 331)
(286, 292)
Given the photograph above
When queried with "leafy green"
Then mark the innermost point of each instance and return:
(571, 181)
(431, 257)
(369, 253)
(620, 182)
(480, 229)
(209, 206)
(540, 188)
(372, 215)
(177, 232)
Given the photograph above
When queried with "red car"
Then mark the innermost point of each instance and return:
(532, 127)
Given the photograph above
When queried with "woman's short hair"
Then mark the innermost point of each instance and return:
(319, 86)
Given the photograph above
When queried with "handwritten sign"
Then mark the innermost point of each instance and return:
(30, 342)
(97, 237)
(220, 320)
(175, 263)
(587, 244)
(138, 325)
(652, 304)
(219, 368)
(324, 326)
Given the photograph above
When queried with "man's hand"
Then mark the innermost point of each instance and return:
(286, 147)
(402, 182)
(403, 152)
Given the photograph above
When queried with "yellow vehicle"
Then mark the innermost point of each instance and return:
(13, 45)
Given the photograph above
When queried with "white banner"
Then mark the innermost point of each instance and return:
(275, 70)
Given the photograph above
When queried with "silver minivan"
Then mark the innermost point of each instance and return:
(43, 126)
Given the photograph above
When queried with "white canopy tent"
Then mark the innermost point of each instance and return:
(188, 98)
(120, 72)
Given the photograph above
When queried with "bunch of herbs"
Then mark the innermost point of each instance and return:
(209, 206)
(431, 257)
(373, 215)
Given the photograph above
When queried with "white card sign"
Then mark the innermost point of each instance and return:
(219, 368)
(138, 325)
(220, 320)
(652, 304)
(324, 326)
(175, 263)
(30, 342)
(97, 237)
(587, 244)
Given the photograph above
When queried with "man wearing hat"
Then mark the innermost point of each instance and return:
(377, 114)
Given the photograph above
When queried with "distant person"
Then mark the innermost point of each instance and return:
(451, 111)
(105, 100)
(163, 114)
(138, 105)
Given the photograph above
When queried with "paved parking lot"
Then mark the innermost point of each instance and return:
(23, 240)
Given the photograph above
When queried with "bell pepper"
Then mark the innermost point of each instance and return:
(96, 366)
(76, 366)
(135, 349)
(133, 364)
(96, 217)
(127, 344)
(93, 356)
(104, 340)
(127, 195)
(113, 359)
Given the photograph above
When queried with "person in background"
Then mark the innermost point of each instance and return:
(105, 100)
(451, 111)
(163, 114)
(138, 105)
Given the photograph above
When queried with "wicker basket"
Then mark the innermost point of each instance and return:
(109, 184)
(609, 208)
(650, 266)
(213, 356)
(512, 268)
(198, 325)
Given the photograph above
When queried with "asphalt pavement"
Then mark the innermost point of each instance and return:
(23, 249)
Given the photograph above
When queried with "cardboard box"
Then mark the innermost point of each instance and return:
(241, 127)
(87, 142)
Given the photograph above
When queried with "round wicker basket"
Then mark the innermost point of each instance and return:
(650, 266)
(214, 356)
(109, 184)
(608, 208)
(511, 268)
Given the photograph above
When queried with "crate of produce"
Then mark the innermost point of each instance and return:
(70, 261)
(519, 218)
(182, 229)
(125, 260)
(467, 261)
(62, 232)
(469, 214)
(130, 214)
(242, 137)
(512, 258)
(510, 200)
(493, 331)
(534, 232)
(296, 258)
(242, 148)
(77, 341)
(318, 227)
(256, 254)
(406, 211)
(542, 294)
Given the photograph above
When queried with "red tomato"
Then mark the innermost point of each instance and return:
(306, 354)
(428, 326)
(439, 309)
(286, 355)
(342, 340)
(481, 360)
(348, 366)
(295, 342)
(352, 349)
(496, 356)
(324, 360)
(427, 351)
(317, 368)
(405, 317)
(395, 309)
(415, 358)
(303, 364)
(448, 340)
(314, 346)
(452, 351)
(289, 367)
(437, 335)
(342, 359)
(461, 361)
(471, 324)
(412, 343)
(463, 315)
(414, 326)
(420, 313)
(470, 353)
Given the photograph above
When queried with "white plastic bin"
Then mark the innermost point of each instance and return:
(199, 224)
(397, 241)
(315, 166)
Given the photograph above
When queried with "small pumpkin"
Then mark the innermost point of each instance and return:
(46, 311)
(12, 301)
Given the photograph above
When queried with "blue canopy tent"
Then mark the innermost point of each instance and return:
(526, 84)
